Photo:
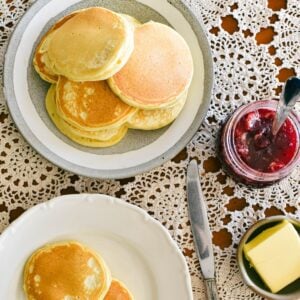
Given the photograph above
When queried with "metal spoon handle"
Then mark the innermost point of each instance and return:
(288, 98)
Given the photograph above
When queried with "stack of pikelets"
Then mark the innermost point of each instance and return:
(110, 73)
(70, 271)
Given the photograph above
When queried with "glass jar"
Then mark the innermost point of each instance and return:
(231, 160)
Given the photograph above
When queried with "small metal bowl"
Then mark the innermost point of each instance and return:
(251, 278)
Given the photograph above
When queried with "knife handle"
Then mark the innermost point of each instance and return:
(211, 288)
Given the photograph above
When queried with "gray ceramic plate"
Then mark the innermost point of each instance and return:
(139, 151)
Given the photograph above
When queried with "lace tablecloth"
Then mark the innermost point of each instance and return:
(255, 46)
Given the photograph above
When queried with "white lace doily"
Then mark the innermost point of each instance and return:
(244, 71)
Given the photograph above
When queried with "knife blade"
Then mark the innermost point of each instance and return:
(200, 228)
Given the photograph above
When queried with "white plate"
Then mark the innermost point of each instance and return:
(137, 248)
(139, 151)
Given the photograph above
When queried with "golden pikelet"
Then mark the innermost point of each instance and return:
(41, 50)
(96, 139)
(157, 118)
(64, 271)
(93, 45)
(159, 70)
(91, 105)
(93, 143)
(118, 291)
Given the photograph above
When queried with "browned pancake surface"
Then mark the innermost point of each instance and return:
(160, 67)
(38, 57)
(64, 270)
(118, 291)
(87, 42)
(90, 103)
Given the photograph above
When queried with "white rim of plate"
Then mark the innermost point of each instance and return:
(104, 166)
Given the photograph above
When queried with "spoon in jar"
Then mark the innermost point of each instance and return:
(288, 98)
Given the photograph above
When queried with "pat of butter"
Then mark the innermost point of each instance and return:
(275, 255)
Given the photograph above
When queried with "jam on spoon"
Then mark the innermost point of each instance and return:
(258, 147)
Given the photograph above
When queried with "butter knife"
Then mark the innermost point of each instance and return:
(200, 229)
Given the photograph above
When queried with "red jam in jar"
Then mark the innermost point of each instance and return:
(248, 150)
(257, 146)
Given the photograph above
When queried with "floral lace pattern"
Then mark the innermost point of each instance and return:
(246, 69)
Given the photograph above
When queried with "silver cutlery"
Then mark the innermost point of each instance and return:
(200, 229)
(288, 98)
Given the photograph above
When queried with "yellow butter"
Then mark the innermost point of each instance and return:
(275, 255)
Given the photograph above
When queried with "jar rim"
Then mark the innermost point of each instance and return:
(246, 170)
